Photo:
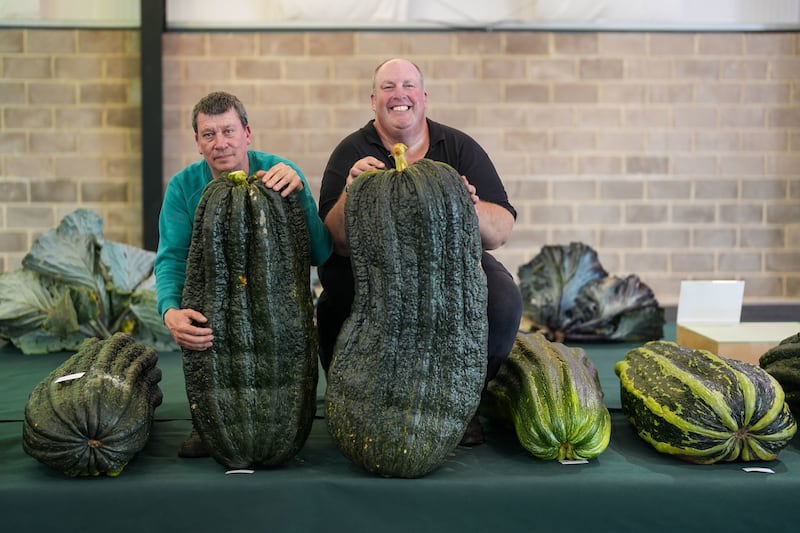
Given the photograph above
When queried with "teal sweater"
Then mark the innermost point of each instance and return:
(177, 218)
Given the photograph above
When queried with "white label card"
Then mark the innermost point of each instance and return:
(69, 377)
(718, 302)
(758, 469)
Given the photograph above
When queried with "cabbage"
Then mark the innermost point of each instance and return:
(568, 296)
(74, 284)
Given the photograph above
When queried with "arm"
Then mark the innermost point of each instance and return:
(334, 220)
(496, 216)
(335, 224)
(175, 234)
(351, 157)
(495, 222)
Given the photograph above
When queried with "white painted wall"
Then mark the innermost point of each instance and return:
(208, 14)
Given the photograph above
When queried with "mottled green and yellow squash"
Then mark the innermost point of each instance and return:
(701, 407)
(551, 394)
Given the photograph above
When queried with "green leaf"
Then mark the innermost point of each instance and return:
(615, 308)
(68, 253)
(40, 342)
(568, 295)
(74, 284)
(149, 327)
(551, 281)
(126, 266)
(28, 302)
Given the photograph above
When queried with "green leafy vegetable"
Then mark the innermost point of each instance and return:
(568, 295)
(74, 284)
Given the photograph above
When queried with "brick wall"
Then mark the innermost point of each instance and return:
(675, 155)
(69, 133)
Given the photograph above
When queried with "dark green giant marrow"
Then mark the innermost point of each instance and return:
(94, 412)
(783, 363)
(410, 361)
(551, 393)
(701, 407)
(253, 393)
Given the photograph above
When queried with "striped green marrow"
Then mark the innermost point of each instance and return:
(701, 407)
(409, 364)
(783, 363)
(552, 395)
(93, 414)
(253, 393)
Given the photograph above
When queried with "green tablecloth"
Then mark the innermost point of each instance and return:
(494, 487)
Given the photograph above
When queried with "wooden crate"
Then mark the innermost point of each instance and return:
(745, 341)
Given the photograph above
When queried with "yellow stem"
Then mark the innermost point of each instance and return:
(399, 153)
(239, 177)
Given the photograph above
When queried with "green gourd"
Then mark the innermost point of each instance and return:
(551, 394)
(252, 395)
(701, 407)
(94, 413)
(783, 363)
(409, 363)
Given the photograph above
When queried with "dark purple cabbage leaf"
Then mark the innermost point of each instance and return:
(74, 284)
(568, 296)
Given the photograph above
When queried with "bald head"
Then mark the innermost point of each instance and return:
(395, 62)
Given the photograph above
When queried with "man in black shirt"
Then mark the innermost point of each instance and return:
(399, 101)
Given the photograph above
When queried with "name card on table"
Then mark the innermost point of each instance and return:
(709, 314)
(710, 302)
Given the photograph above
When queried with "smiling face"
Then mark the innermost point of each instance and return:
(222, 140)
(399, 99)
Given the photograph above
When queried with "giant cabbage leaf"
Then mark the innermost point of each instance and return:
(75, 284)
(569, 296)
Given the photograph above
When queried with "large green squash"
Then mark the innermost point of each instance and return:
(253, 393)
(701, 407)
(552, 395)
(94, 412)
(410, 361)
(783, 363)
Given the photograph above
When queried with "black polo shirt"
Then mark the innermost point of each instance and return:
(447, 145)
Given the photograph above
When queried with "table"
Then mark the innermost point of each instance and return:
(494, 487)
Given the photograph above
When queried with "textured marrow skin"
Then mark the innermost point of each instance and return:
(409, 363)
(701, 407)
(783, 363)
(253, 393)
(552, 395)
(96, 423)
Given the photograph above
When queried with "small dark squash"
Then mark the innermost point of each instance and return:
(94, 412)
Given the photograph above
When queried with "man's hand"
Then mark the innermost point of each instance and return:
(364, 164)
(473, 195)
(281, 178)
(181, 324)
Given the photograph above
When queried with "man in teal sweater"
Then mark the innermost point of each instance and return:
(222, 134)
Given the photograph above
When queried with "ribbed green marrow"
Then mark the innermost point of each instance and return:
(552, 395)
(253, 393)
(94, 412)
(410, 361)
(783, 363)
(701, 407)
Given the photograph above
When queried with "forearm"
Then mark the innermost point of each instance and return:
(169, 287)
(495, 224)
(334, 221)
